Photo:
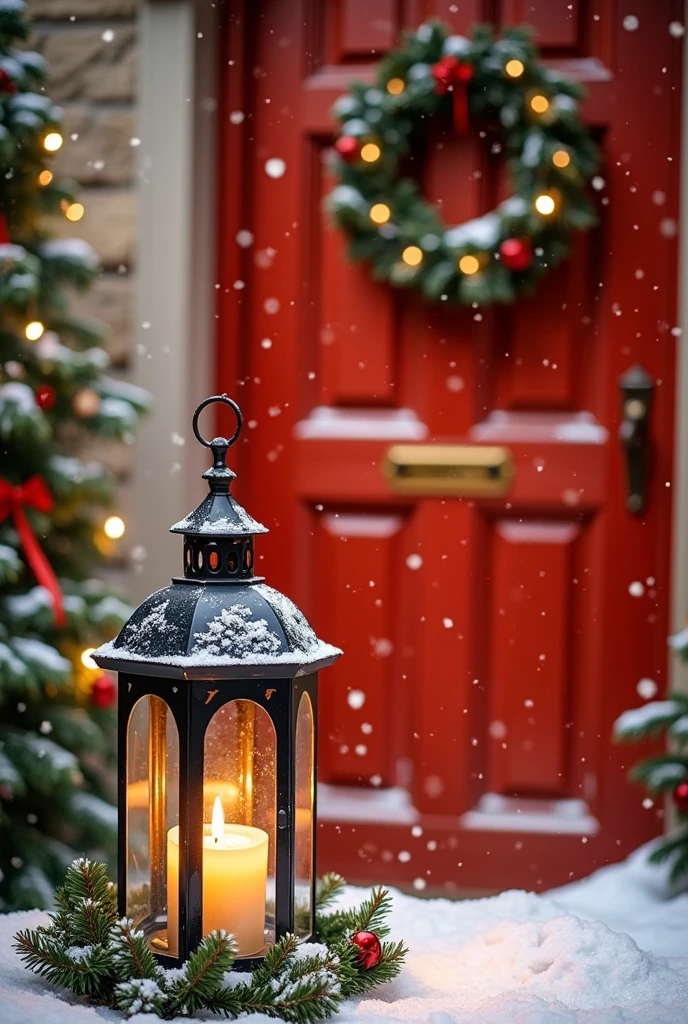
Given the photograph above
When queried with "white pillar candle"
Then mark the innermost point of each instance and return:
(235, 868)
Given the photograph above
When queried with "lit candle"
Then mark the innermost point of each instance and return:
(235, 868)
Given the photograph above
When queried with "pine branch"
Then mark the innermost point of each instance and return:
(371, 915)
(277, 958)
(203, 973)
(327, 890)
(131, 954)
(386, 969)
(83, 970)
(298, 982)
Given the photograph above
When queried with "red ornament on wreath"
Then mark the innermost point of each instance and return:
(369, 949)
(517, 253)
(103, 692)
(46, 396)
(680, 797)
(6, 83)
(348, 148)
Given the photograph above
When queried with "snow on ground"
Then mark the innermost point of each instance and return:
(612, 949)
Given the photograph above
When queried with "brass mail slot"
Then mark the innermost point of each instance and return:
(449, 469)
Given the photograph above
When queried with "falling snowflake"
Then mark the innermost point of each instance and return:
(630, 23)
(414, 561)
(636, 589)
(355, 699)
(646, 688)
(275, 167)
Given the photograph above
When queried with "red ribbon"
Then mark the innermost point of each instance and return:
(4, 233)
(33, 493)
(452, 73)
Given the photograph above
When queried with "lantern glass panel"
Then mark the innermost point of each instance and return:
(152, 810)
(303, 830)
(239, 825)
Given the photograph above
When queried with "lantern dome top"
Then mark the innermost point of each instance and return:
(218, 621)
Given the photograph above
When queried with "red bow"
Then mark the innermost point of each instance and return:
(450, 72)
(33, 493)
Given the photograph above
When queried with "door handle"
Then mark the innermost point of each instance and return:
(449, 469)
(636, 387)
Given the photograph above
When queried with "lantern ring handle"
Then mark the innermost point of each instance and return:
(237, 412)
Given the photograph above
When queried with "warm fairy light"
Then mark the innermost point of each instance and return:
(412, 255)
(395, 86)
(514, 68)
(74, 211)
(53, 141)
(114, 527)
(380, 213)
(539, 104)
(469, 265)
(217, 824)
(86, 659)
(544, 204)
(561, 158)
(45, 177)
(34, 330)
(370, 152)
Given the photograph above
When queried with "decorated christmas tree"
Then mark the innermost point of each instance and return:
(664, 774)
(56, 717)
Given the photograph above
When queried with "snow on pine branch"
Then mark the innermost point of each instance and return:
(649, 719)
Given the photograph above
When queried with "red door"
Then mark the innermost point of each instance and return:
(489, 642)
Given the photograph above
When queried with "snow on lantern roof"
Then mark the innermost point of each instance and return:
(199, 632)
(219, 514)
(219, 620)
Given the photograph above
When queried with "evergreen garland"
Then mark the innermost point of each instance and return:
(92, 952)
(520, 106)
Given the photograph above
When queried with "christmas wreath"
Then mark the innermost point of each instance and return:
(519, 106)
(94, 953)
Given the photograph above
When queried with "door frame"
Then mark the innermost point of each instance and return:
(179, 293)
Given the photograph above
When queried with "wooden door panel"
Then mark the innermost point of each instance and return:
(558, 23)
(356, 30)
(352, 371)
(356, 572)
(459, 708)
(531, 670)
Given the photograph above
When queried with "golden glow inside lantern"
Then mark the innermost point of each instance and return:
(217, 716)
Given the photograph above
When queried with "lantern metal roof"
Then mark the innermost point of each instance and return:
(219, 620)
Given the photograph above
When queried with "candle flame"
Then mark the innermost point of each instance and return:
(217, 826)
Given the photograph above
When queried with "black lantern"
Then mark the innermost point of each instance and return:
(218, 693)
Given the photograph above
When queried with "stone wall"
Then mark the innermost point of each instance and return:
(90, 46)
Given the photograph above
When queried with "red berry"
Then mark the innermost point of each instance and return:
(369, 949)
(103, 692)
(6, 83)
(46, 396)
(517, 253)
(681, 797)
(464, 72)
(348, 148)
